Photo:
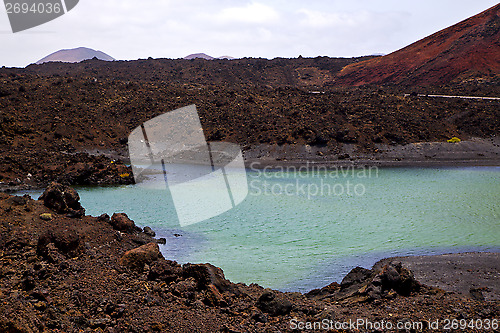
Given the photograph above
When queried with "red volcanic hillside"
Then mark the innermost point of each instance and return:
(468, 49)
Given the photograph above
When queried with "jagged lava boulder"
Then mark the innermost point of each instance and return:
(137, 258)
(62, 199)
(121, 222)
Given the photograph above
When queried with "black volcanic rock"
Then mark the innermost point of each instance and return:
(62, 199)
(121, 222)
(273, 304)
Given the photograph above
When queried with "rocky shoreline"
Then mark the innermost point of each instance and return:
(64, 271)
(35, 169)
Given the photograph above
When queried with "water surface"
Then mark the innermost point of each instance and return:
(299, 230)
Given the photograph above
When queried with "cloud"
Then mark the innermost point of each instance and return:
(317, 19)
(345, 20)
(255, 13)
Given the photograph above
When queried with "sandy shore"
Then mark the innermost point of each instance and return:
(473, 152)
(457, 272)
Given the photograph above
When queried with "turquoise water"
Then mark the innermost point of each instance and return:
(303, 230)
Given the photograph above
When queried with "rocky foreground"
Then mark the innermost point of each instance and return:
(63, 271)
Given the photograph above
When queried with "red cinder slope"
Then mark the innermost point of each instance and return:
(470, 48)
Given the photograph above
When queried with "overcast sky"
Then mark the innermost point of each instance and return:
(127, 29)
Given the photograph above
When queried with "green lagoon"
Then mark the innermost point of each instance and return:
(303, 230)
